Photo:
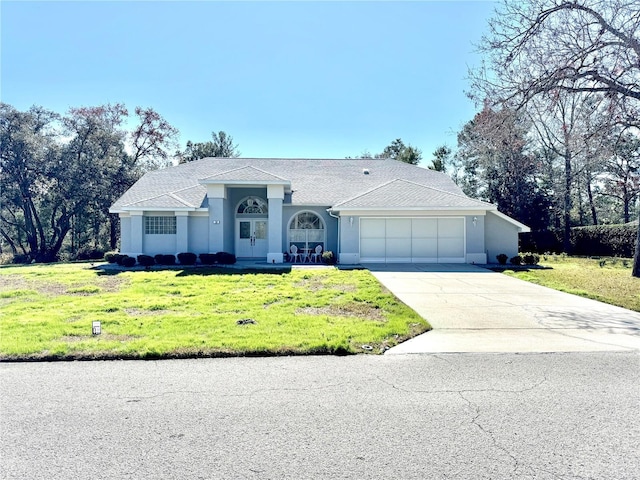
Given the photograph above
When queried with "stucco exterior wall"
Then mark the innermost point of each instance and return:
(500, 237)
(125, 233)
(198, 234)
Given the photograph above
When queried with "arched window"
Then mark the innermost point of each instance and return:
(307, 231)
(306, 220)
(252, 205)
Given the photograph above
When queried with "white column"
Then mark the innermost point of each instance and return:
(216, 195)
(182, 232)
(137, 233)
(275, 195)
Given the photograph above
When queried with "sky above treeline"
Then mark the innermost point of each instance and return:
(324, 79)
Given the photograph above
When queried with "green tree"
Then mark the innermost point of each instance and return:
(496, 166)
(397, 150)
(441, 156)
(220, 145)
(59, 175)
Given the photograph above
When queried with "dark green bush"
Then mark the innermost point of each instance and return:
(502, 258)
(110, 257)
(118, 258)
(89, 254)
(187, 258)
(208, 258)
(517, 260)
(329, 258)
(225, 258)
(595, 240)
(20, 259)
(162, 259)
(530, 258)
(541, 241)
(604, 240)
(146, 260)
(128, 261)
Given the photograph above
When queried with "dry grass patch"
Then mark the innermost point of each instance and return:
(605, 280)
(46, 312)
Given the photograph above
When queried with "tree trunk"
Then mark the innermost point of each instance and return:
(113, 231)
(626, 200)
(592, 206)
(636, 257)
(566, 240)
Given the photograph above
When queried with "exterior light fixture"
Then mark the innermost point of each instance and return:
(475, 221)
(351, 221)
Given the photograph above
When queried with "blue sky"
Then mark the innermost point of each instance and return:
(286, 79)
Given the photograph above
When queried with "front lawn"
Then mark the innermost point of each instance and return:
(46, 312)
(608, 280)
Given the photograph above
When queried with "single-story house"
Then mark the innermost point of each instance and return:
(363, 210)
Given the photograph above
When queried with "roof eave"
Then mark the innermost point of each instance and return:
(487, 207)
(522, 228)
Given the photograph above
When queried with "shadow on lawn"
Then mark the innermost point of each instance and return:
(189, 270)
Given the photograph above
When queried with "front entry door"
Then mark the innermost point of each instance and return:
(251, 238)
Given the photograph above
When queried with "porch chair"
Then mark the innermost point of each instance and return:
(294, 254)
(316, 257)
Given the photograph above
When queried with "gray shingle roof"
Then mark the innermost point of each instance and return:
(313, 182)
(248, 173)
(407, 194)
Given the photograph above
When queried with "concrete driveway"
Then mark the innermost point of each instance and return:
(473, 309)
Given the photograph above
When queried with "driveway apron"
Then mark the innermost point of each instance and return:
(472, 309)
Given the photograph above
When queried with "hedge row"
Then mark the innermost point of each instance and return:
(600, 240)
(186, 258)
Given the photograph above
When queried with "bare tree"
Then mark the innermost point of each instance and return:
(538, 47)
(622, 174)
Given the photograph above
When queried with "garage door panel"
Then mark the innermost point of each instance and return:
(398, 228)
(425, 247)
(373, 247)
(372, 227)
(450, 227)
(451, 247)
(398, 248)
(424, 227)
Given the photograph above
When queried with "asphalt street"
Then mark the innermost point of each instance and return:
(476, 416)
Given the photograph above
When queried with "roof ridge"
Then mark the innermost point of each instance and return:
(181, 200)
(169, 194)
(219, 174)
(367, 192)
(466, 197)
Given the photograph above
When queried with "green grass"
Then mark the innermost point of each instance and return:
(46, 312)
(608, 280)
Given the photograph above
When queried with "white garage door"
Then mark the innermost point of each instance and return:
(412, 240)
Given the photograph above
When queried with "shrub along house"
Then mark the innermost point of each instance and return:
(363, 210)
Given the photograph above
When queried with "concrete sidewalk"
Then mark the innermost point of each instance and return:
(473, 309)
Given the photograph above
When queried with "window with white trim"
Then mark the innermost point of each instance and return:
(253, 205)
(160, 225)
(307, 231)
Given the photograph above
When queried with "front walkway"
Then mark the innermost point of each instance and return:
(473, 309)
